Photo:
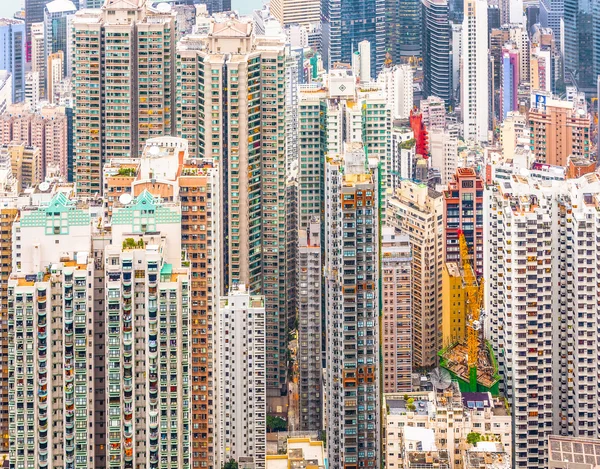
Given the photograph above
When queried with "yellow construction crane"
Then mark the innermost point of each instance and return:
(474, 292)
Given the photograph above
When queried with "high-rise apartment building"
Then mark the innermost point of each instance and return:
(474, 78)
(345, 23)
(352, 305)
(54, 76)
(397, 85)
(437, 79)
(558, 129)
(26, 163)
(310, 331)
(540, 300)
(241, 356)
(443, 153)
(510, 76)
(463, 214)
(231, 109)
(32, 90)
(396, 294)
(166, 171)
(417, 211)
(12, 55)
(147, 297)
(330, 115)
(124, 78)
(49, 376)
(34, 13)
(291, 12)
(38, 55)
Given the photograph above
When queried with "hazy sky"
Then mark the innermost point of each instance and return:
(9, 7)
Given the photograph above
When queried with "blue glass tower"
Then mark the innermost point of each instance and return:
(346, 23)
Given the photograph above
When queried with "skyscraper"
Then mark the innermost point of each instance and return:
(352, 304)
(396, 292)
(231, 108)
(58, 16)
(310, 332)
(437, 79)
(241, 378)
(403, 30)
(417, 211)
(475, 80)
(550, 16)
(124, 81)
(346, 23)
(541, 305)
(12, 55)
(463, 213)
(581, 36)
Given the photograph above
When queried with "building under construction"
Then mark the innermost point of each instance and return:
(469, 358)
(483, 377)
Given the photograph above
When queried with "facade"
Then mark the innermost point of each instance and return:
(416, 210)
(404, 30)
(433, 110)
(580, 35)
(253, 175)
(148, 361)
(12, 55)
(540, 300)
(5, 91)
(310, 331)
(54, 77)
(345, 23)
(397, 85)
(443, 152)
(32, 90)
(38, 55)
(113, 63)
(454, 307)
(352, 303)
(330, 115)
(396, 292)
(463, 213)
(437, 79)
(402, 154)
(510, 81)
(289, 12)
(558, 130)
(58, 17)
(474, 77)
(241, 352)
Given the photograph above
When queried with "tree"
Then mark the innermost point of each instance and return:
(276, 424)
(473, 438)
(231, 464)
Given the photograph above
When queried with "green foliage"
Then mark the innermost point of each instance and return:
(276, 424)
(408, 144)
(129, 243)
(129, 172)
(473, 438)
(231, 464)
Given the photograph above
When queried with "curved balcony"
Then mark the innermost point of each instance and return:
(42, 345)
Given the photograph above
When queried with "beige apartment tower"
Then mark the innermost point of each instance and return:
(231, 99)
(123, 77)
(418, 211)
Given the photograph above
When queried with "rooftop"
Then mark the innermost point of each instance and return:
(60, 6)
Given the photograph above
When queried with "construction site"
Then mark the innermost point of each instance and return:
(471, 362)
(481, 378)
